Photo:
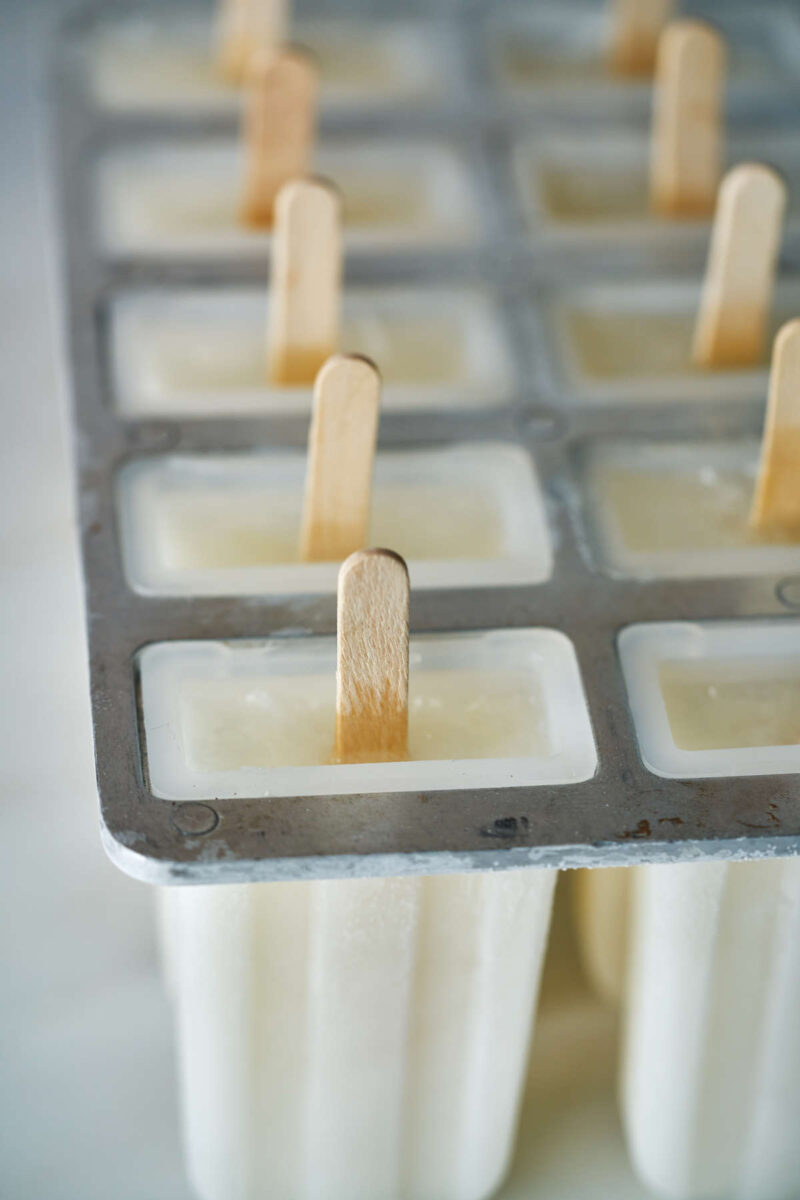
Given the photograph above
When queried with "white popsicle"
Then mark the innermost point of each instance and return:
(711, 1073)
(354, 1039)
(711, 1080)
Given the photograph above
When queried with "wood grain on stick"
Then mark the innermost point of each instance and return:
(372, 659)
(776, 503)
(305, 286)
(247, 27)
(341, 450)
(635, 29)
(278, 130)
(737, 290)
(686, 141)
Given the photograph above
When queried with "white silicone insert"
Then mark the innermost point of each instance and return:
(679, 510)
(631, 343)
(203, 353)
(720, 698)
(503, 708)
(216, 524)
(143, 64)
(181, 199)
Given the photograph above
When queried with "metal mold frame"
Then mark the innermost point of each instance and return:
(623, 815)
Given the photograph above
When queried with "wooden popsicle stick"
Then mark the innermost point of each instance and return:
(341, 449)
(247, 27)
(278, 131)
(372, 659)
(737, 291)
(635, 29)
(686, 141)
(776, 502)
(303, 328)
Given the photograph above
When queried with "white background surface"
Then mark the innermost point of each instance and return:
(87, 1107)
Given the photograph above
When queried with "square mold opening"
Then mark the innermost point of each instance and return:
(677, 510)
(557, 50)
(246, 719)
(715, 699)
(153, 62)
(589, 191)
(229, 524)
(631, 343)
(174, 200)
(203, 353)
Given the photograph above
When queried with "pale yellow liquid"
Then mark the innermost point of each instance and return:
(727, 705)
(674, 510)
(197, 204)
(528, 64)
(643, 345)
(593, 195)
(288, 721)
(155, 73)
(421, 350)
(208, 530)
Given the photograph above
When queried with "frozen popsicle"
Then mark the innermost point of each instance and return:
(681, 510)
(639, 343)
(199, 353)
(711, 1078)
(176, 199)
(702, 508)
(585, 192)
(359, 1038)
(170, 62)
(560, 54)
(466, 515)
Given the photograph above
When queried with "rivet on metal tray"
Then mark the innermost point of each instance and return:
(788, 592)
(194, 819)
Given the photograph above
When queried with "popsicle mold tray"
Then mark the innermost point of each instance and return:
(539, 621)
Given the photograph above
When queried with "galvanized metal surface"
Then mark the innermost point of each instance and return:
(624, 814)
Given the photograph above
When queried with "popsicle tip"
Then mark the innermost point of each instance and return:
(369, 561)
(358, 373)
(763, 183)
